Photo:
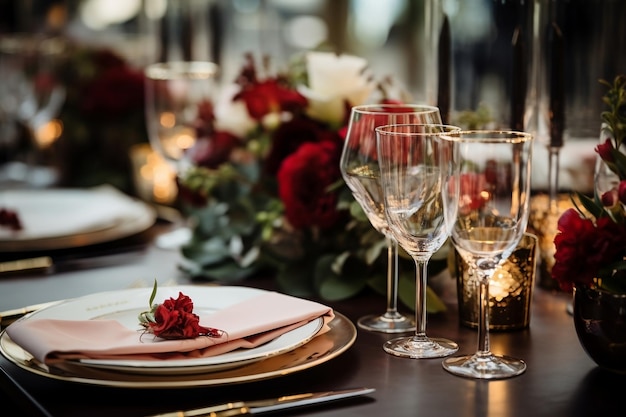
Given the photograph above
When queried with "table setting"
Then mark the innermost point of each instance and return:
(312, 239)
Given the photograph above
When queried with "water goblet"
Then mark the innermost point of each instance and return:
(413, 164)
(178, 95)
(492, 186)
(31, 95)
(360, 169)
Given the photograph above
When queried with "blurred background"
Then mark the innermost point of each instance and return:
(485, 63)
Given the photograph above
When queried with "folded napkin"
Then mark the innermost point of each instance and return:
(247, 324)
(64, 212)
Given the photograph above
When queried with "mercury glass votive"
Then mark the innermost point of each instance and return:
(543, 222)
(510, 290)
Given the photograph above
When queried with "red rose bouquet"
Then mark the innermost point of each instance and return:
(591, 240)
(266, 187)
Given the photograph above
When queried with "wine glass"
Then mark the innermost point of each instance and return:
(413, 164)
(360, 170)
(31, 95)
(494, 169)
(178, 93)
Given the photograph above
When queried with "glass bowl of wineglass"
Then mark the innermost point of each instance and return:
(178, 95)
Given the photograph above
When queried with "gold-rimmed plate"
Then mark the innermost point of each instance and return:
(321, 349)
(124, 306)
(60, 218)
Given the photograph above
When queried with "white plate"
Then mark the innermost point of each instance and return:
(63, 218)
(125, 306)
(321, 349)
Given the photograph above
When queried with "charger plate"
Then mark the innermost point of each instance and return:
(309, 353)
(60, 218)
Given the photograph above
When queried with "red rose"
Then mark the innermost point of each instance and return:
(621, 191)
(303, 180)
(10, 219)
(605, 151)
(583, 247)
(270, 96)
(267, 96)
(174, 319)
(610, 198)
(290, 136)
(211, 152)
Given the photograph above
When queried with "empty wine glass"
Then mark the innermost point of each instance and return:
(413, 164)
(178, 94)
(360, 170)
(493, 178)
(31, 95)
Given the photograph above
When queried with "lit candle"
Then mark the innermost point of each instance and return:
(155, 179)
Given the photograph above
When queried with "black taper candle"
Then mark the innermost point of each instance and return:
(443, 90)
(557, 86)
(519, 80)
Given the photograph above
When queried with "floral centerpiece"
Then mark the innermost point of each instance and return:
(591, 240)
(266, 190)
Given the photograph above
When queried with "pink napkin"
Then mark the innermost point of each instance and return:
(247, 324)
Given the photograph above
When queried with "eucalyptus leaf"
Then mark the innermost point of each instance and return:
(296, 280)
(331, 286)
(227, 272)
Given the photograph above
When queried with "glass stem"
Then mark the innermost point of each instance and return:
(553, 179)
(483, 315)
(392, 277)
(421, 271)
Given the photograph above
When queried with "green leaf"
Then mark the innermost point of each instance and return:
(227, 272)
(590, 205)
(153, 294)
(296, 281)
(331, 286)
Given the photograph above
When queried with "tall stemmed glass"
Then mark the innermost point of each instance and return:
(360, 170)
(412, 170)
(31, 95)
(177, 94)
(493, 177)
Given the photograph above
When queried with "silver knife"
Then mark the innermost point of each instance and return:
(263, 406)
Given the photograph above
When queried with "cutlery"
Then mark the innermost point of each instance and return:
(263, 406)
(64, 260)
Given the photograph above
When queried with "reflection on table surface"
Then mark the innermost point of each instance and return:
(560, 380)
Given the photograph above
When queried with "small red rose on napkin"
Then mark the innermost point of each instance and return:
(175, 319)
(10, 219)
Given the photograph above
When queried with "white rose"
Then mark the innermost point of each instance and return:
(232, 116)
(333, 81)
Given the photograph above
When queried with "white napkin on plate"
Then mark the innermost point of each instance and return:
(247, 324)
(64, 212)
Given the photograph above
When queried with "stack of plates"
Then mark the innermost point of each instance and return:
(65, 218)
(299, 349)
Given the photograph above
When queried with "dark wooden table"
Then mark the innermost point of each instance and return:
(560, 381)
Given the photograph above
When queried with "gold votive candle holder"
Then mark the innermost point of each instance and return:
(510, 289)
(543, 221)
